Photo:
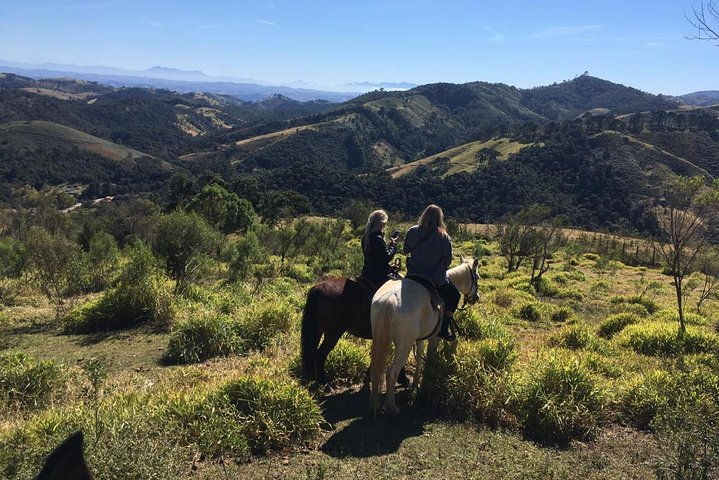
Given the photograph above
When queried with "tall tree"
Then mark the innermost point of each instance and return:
(687, 225)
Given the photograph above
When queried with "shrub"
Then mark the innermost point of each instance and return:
(202, 337)
(142, 296)
(572, 293)
(475, 327)
(545, 287)
(530, 312)
(181, 240)
(631, 308)
(667, 391)
(662, 339)
(480, 385)
(575, 337)
(616, 323)
(263, 323)
(562, 400)
(13, 257)
(562, 314)
(592, 256)
(648, 303)
(690, 318)
(274, 414)
(347, 362)
(243, 254)
(26, 382)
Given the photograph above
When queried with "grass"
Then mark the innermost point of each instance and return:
(499, 374)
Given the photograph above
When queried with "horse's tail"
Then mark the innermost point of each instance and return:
(310, 335)
(380, 316)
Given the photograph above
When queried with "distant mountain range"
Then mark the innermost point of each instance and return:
(701, 99)
(196, 81)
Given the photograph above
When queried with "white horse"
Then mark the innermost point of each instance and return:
(401, 313)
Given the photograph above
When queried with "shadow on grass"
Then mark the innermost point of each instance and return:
(365, 436)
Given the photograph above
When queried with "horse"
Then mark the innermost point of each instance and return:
(333, 307)
(401, 313)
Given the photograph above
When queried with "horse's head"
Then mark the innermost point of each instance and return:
(472, 295)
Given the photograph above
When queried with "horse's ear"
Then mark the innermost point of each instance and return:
(66, 461)
(463, 258)
(475, 264)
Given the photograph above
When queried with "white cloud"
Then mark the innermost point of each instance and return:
(152, 24)
(267, 22)
(496, 36)
(209, 27)
(567, 31)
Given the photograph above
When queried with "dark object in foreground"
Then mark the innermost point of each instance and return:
(67, 462)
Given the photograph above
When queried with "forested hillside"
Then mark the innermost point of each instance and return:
(592, 150)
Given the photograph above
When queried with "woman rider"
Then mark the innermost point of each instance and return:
(377, 254)
(431, 253)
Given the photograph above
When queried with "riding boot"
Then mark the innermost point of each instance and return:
(444, 332)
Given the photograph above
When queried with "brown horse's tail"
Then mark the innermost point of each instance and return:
(310, 335)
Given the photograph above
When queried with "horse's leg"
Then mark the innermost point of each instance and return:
(381, 343)
(419, 363)
(328, 343)
(401, 352)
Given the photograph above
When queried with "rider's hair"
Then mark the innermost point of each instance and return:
(374, 224)
(433, 219)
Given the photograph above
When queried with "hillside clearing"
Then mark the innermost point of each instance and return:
(462, 158)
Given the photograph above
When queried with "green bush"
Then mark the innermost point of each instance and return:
(562, 314)
(616, 323)
(690, 318)
(662, 339)
(630, 308)
(13, 257)
(480, 385)
(530, 312)
(666, 391)
(476, 327)
(577, 336)
(263, 323)
(142, 296)
(592, 256)
(202, 337)
(243, 254)
(347, 362)
(26, 382)
(545, 287)
(571, 293)
(562, 400)
(274, 414)
(648, 303)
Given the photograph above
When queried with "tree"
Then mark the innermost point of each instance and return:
(686, 227)
(703, 19)
(182, 239)
(708, 272)
(222, 209)
(52, 257)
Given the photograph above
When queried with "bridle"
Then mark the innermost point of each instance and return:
(471, 297)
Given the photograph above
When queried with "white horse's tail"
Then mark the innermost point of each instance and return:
(381, 343)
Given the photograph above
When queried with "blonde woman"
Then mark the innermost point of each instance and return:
(430, 250)
(377, 254)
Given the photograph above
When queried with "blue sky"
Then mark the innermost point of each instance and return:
(636, 42)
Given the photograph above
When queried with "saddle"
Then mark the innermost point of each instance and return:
(367, 285)
(434, 298)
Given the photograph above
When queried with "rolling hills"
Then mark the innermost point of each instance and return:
(597, 152)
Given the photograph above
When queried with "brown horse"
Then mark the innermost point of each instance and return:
(334, 306)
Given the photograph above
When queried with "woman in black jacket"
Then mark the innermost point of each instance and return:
(377, 254)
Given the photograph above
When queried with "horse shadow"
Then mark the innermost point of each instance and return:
(366, 436)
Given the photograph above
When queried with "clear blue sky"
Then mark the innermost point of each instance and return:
(636, 42)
